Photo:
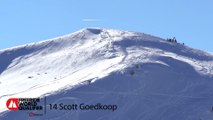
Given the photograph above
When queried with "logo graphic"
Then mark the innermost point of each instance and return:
(13, 104)
(24, 104)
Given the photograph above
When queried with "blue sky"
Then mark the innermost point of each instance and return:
(26, 21)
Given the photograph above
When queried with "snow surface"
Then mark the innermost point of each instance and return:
(170, 82)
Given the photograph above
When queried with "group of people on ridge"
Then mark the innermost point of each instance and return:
(172, 40)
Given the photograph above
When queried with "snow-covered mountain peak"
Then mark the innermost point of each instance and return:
(93, 54)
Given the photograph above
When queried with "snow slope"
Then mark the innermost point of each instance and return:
(169, 81)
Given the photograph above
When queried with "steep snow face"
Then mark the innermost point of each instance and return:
(168, 79)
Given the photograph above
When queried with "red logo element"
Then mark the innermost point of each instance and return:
(12, 103)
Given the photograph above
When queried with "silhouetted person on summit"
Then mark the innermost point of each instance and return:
(174, 40)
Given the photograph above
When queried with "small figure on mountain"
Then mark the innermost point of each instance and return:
(168, 39)
(174, 40)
